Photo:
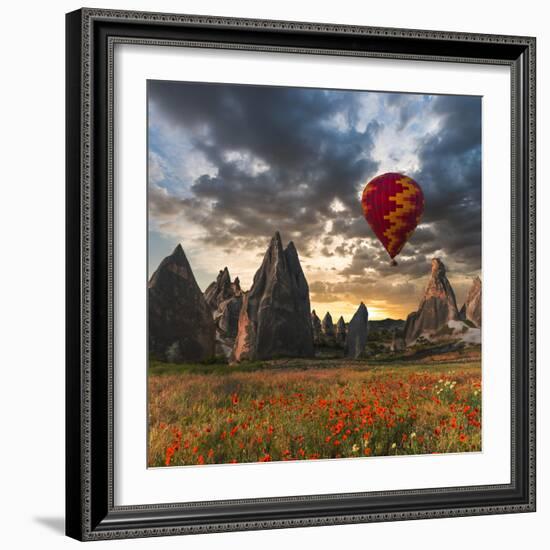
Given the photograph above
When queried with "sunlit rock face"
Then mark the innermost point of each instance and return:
(471, 310)
(437, 307)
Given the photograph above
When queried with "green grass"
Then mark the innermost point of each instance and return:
(322, 360)
(220, 368)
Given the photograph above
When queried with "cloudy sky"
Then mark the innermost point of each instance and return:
(230, 164)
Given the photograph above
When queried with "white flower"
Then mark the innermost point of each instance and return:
(393, 445)
(413, 435)
(355, 448)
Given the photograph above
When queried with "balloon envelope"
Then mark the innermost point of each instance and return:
(393, 205)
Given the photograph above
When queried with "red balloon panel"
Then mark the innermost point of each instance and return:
(393, 205)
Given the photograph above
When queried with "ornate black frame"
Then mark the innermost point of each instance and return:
(90, 510)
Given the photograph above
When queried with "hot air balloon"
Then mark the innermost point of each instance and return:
(393, 205)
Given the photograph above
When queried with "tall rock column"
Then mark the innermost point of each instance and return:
(341, 331)
(181, 327)
(275, 316)
(356, 339)
(437, 307)
(327, 327)
(316, 328)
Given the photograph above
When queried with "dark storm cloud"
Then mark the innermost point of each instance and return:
(308, 161)
(450, 174)
(283, 155)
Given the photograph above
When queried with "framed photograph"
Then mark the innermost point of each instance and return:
(300, 274)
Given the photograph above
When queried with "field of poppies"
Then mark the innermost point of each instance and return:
(303, 409)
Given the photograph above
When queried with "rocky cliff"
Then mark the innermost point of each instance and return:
(471, 310)
(225, 299)
(275, 316)
(222, 289)
(181, 327)
(437, 307)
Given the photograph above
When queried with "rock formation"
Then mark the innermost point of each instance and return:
(275, 316)
(225, 299)
(464, 331)
(181, 327)
(221, 289)
(471, 310)
(356, 339)
(437, 307)
(328, 327)
(341, 331)
(316, 328)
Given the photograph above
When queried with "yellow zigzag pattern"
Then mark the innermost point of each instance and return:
(403, 206)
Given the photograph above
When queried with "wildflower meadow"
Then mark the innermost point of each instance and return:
(303, 410)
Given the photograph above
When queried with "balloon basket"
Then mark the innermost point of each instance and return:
(393, 263)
